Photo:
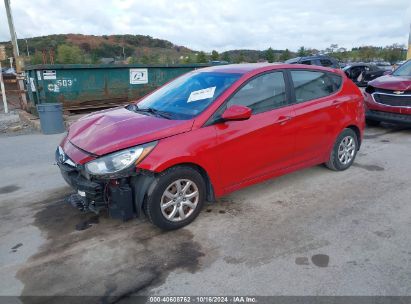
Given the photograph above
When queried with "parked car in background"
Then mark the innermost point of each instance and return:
(398, 63)
(320, 60)
(383, 65)
(388, 98)
(208, 133)
(342, 64)
(362, 73)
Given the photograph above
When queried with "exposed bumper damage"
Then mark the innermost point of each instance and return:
(122, 196)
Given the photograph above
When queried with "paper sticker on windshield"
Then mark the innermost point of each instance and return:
(201, 94)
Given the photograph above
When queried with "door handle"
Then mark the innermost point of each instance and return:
(283, 119)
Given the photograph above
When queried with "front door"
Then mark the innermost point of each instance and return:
(263, 143)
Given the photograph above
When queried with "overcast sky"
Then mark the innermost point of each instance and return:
(220, 24)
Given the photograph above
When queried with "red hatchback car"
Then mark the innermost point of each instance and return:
(210, 132)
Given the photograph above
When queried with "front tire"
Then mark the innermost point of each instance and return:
(176, 198)
(344, 151)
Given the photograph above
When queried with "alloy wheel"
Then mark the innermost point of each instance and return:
(179, 200)
(346, 150)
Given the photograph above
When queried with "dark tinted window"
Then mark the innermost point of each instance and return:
(326, 62)
(336, 80)
(310, 85)
(261, 94)
(306, 62)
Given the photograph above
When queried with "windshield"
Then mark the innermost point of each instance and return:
(403, 70)
(188, 95)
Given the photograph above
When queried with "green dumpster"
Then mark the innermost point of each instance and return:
(82, 86)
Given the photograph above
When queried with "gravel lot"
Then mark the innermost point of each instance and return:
(10, 125)
(312, 232)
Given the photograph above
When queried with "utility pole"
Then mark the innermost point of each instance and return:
(27, 48)
(12, 30)
(23, 100)
(409, 45)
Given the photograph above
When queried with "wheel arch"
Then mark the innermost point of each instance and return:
(357, 131)
(209, 185)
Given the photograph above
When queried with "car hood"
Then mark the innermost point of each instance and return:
(390, 82)
(112, 130)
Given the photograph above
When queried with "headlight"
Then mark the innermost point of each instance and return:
(119, 161)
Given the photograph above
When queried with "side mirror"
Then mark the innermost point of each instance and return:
(236, 112)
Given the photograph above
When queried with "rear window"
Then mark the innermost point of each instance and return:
(309, 85)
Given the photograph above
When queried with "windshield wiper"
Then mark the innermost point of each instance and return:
(155, 112)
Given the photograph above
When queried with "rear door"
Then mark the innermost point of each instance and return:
(263, 143)
(317, 112)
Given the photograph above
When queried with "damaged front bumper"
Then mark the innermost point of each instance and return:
(122, 196)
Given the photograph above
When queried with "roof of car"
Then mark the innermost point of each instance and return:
(297, 59)
(240, 68)
(244, 68)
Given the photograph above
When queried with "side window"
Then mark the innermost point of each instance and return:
(336, 81)
(306, 62)
(326, 63)
(261, 94)
(310, 85)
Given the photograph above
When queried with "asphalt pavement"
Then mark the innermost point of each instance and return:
(312, 232)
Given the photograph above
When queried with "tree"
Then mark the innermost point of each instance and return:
(333, 47)
(367, 53)
(68, 54)
(269, 55)
(285, 55)
(201, 57)
(394, 53)
(302, 52)
(240, 58)
(187, 59)
(37, 58)
(214, 55)
(226, 57)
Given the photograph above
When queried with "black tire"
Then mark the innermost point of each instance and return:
(334, 163)
(153, 201)
(372, 123)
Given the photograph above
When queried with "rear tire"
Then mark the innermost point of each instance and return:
(344, 151)
(176, 198)
(372, 123)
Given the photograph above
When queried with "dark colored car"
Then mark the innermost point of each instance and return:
(362, 73)
(384, 65)
(208, 133)
(320, 60)
(388, 98)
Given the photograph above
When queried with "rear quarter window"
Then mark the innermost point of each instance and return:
(309, 85)
(336, 80)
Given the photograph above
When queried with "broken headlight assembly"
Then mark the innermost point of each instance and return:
(119, 161)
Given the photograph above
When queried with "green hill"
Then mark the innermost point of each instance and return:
(91, 49)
